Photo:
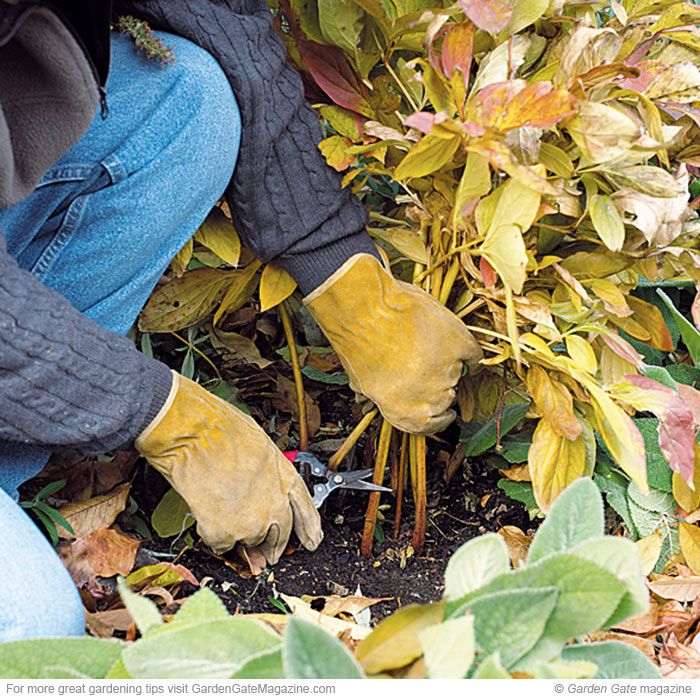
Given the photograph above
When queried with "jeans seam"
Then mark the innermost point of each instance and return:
(67, 228)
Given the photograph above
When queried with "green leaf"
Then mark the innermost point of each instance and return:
(211, 649)
(521, 491)
(620, 557)
(525, 12)
(50, 489)
(478, 438)
(659, 474)
(310, 652)
(491, 668)
(516, 447)
(340, 22)
(685, 374)
(512, 622)
(607, 221)
(58, 658)
(474, 564)
(333, 378)
(429, 155)
(172, 515)
(690, 334)
(448, 648)
(614, 660)
(203, 605)
(588, 596)
(143, 611)
(576, 516)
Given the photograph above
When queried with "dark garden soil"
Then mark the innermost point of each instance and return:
(455, 514)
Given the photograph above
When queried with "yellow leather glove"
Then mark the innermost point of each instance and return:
(238, 485)
(400, 346)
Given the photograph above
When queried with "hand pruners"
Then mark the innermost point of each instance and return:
(309, 466)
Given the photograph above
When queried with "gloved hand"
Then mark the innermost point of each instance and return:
(239, 486)
(400, 346)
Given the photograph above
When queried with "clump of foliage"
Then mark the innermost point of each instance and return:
(145, 39)
(494, 622)
(527, 162)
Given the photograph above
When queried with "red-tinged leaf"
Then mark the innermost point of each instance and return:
(488, 274)
(457, 49)
(676, 423)
(691, 398)
(624, 349)
(424, 121)
(334, 75)
(514, 103)
(490, 15)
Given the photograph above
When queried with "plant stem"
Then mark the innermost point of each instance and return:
(400, 480)
(351, 439)
(418, 481)
(298, 380)
(373, 505)
(195, 349)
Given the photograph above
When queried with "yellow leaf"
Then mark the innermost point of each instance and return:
(689, 537)
(185, 300)
(218, 234)
(238, 292)
(581, 353)
(514, 203)
(688, 500)
(602, 132)
(394, 642)
(649, 549)
(555, 462)
(182, 259)
(429, 155)
(276, 284)
(553, 400)
(556, 160)
(335, 151)
(95, 513)
(619, 432)
(407, 242)
(505, 249)
(607, 221)
(647, 318)
(475, 182)
(613, 298)
(525, 12)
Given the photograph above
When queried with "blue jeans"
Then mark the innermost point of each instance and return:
(100, 228)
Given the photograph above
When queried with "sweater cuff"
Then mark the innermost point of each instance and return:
(311, 269)
(157, 383)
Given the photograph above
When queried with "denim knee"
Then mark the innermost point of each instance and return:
(214, 127)
(38, 599)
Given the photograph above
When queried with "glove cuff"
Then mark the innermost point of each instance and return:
(155, 422)
(311, 269)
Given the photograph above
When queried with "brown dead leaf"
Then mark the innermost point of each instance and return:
(102, 553)
(95, 513)
(336, 627)
(520, 472)
(679, 661)
(642, 624)
(517, 542)
(253, 557)
(675, 588)
(335, 605)
(285, 399)
(104, 624)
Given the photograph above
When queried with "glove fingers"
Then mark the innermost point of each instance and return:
(277, 537)
(307, 521)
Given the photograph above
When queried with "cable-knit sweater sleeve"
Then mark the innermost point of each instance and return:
(64, 380)
(287, 203)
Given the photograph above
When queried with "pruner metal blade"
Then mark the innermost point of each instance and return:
(309, 465)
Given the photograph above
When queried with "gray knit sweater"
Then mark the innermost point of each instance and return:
(64, 381)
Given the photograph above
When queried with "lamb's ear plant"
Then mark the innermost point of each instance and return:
(495, 620)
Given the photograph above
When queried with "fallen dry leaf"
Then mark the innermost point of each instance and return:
(335, 605)
(161, 575)
(102, 553)
(94, 513)
(517, 542)
(253, 557)
(105, 624)
(643, 624)
(679, 661)
(675, 588)
(520, 472)
(649, 549)
(304, 611)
